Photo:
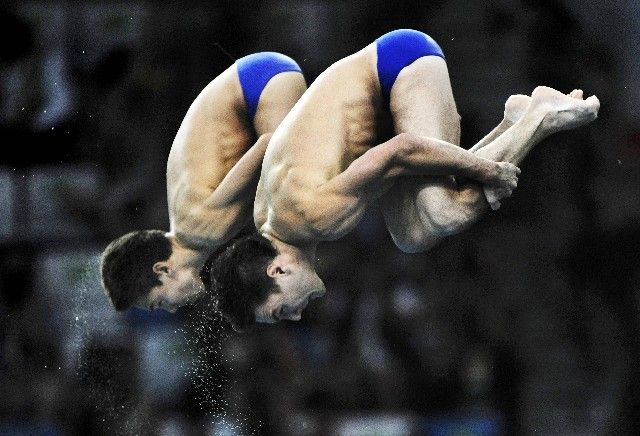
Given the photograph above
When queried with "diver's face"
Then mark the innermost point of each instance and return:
(179, 287)
(298, 284)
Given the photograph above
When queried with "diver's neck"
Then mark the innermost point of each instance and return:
(303, 252)
(194, 259)
(188, 257)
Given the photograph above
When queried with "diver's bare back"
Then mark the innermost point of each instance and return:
(334, 123)
(210, 141)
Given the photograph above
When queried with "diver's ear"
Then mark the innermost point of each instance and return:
(275, 268)
(161, 267)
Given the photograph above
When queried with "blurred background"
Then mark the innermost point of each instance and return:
(529, 323)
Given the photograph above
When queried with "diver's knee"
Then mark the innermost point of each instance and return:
(413, 242)
(447, 220)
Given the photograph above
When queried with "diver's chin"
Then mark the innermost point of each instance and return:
(297, 315)
(264, 321)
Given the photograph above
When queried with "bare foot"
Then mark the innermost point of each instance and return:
(563, 112)
(515, 107)
(576, 93)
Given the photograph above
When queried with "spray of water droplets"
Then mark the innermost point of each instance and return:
(102, 351)
(105, 363)
(207, 335)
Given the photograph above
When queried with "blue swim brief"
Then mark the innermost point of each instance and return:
(398, 49)
(256, 70)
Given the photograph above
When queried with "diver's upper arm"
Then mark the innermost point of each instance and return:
(218, 216)
(371, 172)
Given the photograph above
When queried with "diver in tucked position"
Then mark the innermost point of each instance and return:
(212, 173)
(324, 165)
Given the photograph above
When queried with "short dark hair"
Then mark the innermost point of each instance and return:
(236, 275)
(127, 266)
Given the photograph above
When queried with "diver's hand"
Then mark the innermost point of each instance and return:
(501, 183)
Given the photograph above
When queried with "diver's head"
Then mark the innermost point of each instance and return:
(255, 280)
(293, 272)
(149, 269)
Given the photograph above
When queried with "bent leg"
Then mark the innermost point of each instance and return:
(420, 212)
(278, 97)
(422, 103)
(514, 109)
(271, 84)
